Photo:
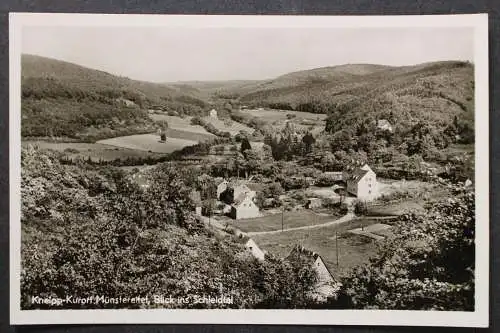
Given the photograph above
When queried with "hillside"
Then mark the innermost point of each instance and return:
(68, 100)
(440, 93)
(91, 230)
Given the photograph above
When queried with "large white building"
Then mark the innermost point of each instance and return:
(362, 183)
(243, 207)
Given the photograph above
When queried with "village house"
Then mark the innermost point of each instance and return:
(362, 183)
(252, 247)
(221, 186)
(213, 113)
(314, 203)
(325, 286)
(195, 196)
(334, 175)
(243, 207)
(384, 125)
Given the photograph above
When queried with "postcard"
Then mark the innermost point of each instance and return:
(249, 169)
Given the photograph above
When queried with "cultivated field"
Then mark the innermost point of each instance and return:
(273, 222)
(148, 142)
(96, 151)
(234, 127)
(353, 250)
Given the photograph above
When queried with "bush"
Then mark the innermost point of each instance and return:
(360, 208)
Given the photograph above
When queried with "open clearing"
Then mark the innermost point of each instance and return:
(148, 142)
(273, 222)
(179, 123)
(353, 250)
(96, 151)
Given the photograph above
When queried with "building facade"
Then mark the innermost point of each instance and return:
(362, 183)
(244, 208)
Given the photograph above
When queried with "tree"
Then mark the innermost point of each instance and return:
(309, 141)
(427, 265)
(245, 145)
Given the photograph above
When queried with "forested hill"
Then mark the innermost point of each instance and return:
(355, 96)
(68, 100)
(327, 89)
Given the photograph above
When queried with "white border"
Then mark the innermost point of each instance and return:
(478, 318)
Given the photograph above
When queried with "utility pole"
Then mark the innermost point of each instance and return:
(282, 217)
(337, 247)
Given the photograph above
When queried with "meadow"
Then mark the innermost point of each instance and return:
(353, 250)
(273, 222)
(148, 142)
(179, 123)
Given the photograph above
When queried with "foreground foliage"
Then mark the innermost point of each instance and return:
(89, 231)
(428, 265)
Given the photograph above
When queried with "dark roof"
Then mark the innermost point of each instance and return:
(357, 174)
(300, 251)
(239, 199)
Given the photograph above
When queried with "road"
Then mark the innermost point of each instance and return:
(346, 218)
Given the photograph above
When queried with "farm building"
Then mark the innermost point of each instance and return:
(252, 247)
(384, 125)
(313, 203)
(213, 113)
(239, 188)
(335, 175)
(243, 207)
(362, 183)
(326, 286)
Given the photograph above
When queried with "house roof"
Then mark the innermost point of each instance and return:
(383, 122)
(357, 174)
(310, 256)
(239, 199)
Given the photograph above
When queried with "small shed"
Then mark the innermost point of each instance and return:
(314, 203)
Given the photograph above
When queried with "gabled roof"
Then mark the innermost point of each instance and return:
(310, 256)
(383, 122)
(357, 174)
(239, 199)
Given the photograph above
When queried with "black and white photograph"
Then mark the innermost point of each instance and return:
(245, 169)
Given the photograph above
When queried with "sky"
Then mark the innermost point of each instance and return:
(167, 54)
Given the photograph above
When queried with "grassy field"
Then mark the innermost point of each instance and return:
(179, 123)
(95, 151)
(186, 135)
(353, 250)
(148, 142)
(273, 222)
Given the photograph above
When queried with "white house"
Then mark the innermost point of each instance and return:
(255, 250)
(213, 113)
(243, 207)
(221, 186)
(326, 285)
(362, 183)
(384, 125)
(314, 203)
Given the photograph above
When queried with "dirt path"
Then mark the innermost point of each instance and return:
(343, 219)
